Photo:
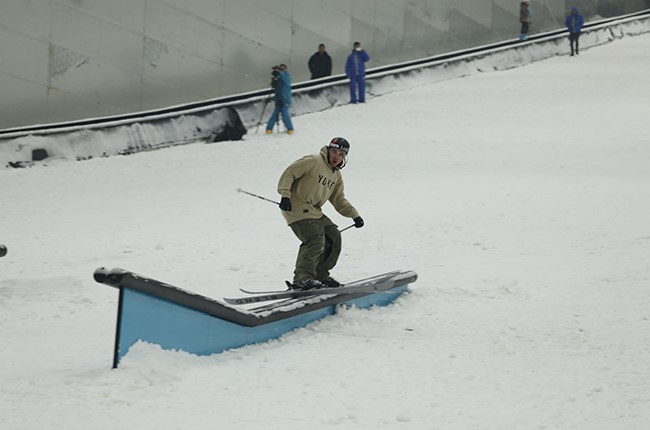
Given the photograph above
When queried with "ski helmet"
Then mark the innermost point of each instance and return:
(340, 143)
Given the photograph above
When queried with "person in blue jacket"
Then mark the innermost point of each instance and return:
(281, 82)
(574, 23)
(355, 69)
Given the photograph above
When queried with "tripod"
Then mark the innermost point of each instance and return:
(274, 85)
(266, 102)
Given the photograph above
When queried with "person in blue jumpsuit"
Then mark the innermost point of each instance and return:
(355, 69)
(281, 82)
(574, 23)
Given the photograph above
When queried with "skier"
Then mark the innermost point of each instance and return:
(281, 82)
(305, 186)
(524, 19)
(355, 69)
(574, 23)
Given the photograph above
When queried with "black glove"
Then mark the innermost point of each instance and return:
(358, 222)
(285, 205)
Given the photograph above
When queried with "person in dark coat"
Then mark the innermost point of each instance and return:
(282, 97)
(320, 64)
(355, 69)
(524, 19)
(574, 23)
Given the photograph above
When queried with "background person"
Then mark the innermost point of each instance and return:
(355, 69)
(281, 82)
(320, 64)
(524, 19)
(574, 23)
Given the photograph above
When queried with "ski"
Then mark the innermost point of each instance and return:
(364, 286)
(270, 306)
(292, 294)
(267, 291)
(289, 288)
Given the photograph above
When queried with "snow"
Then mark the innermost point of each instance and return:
(520, 197)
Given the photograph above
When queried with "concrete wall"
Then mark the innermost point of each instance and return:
(223, 121)
(70, 59)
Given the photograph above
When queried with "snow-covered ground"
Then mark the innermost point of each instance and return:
(521, 198)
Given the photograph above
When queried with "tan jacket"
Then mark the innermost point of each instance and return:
(310, 182)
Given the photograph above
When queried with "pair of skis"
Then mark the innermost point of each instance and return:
(368, 285)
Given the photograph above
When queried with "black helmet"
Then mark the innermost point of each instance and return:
(340, 143)
(343, 145)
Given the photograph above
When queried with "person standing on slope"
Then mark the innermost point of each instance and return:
(320, 64)
(281, 83)
(355, 69)
(574, 23)
(524, 19)
(305, 186)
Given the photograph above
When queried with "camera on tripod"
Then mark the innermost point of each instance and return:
(275, 76)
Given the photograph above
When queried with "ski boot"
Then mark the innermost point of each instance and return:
(330, 282)
(309, 284)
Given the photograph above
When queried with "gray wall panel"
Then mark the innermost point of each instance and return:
(504, 22)
(63, 103)
(479, 11)
(392, 47)
(21, 99)
(435, 14)
(389, 19)
(31, 17)
(154, 93)
(99, 84)
(176, 28)
(249, 63)
(281, 8)
(309, 14)
(363, 11)
(189, 75)
(86, 58)
(363, 33)
(120, 47)
(76, 30)
(257, 24)
(127, 14)
(23, 57)
(209, 10)
(336, 25)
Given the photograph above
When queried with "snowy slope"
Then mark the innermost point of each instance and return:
(521, 198)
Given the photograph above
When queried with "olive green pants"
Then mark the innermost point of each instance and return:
(319, 249)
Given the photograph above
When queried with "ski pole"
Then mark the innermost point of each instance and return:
(239, 190)
(346, 228)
